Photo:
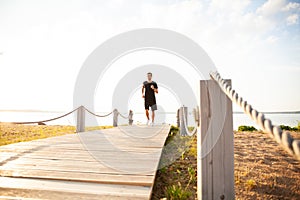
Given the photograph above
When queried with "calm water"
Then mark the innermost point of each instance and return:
(238, 118)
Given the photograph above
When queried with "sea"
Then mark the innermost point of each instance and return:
(282, 118)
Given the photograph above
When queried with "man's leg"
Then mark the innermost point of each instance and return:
(147, 114)
(153, 115)
(148, 118)
(153, 109)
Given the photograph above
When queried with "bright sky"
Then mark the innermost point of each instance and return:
(43, 45)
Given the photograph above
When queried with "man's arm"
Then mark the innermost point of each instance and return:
(143, 88)
(154, 87)
(155, 90)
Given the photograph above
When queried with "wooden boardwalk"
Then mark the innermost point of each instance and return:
(118, 163)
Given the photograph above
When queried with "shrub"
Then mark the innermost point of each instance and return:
(173, 130)
(247, 128)
(288, 128)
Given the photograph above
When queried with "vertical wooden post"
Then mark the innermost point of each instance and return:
(196, 115)
(80, 126)
(215, 144)
(183, 112)
(115, 117)
(130, 118)
(177, 118)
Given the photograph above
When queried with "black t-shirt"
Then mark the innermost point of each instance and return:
(149, 93)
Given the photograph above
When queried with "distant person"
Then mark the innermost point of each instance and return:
(148, 92)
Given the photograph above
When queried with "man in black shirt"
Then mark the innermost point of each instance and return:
(150, 88)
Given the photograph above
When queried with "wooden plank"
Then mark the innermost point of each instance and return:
(97, 147)
(119, 179)
(132, 167)
(87, 156)
(81, 157)
(89, 172)
(216, 153)
(27, 194)
(73, 155)
(68, 187)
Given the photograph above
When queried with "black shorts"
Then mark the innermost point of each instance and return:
(153, 107)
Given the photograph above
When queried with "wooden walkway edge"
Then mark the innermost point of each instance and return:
(117, 163)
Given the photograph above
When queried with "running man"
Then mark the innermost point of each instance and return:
(150, 88)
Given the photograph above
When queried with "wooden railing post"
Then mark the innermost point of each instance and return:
(80, 125)
(115, 117)
(177, 118)
(130, 117)
(215, 144)
(183, 112)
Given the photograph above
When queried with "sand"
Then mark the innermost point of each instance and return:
(263, 170)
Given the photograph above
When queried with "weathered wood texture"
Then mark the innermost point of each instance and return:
(183, 120)
(117, 163)
(80, 125)
(215, 139)
(115, 117)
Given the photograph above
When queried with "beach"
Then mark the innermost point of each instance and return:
(263, 169)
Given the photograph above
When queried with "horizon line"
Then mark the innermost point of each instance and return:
(140, 112)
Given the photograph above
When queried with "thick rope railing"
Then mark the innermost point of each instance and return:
(106, 115)
(283, 138)
(64, 115)
(115, 113)
(122, 115)
(186, 126)
(48, 120)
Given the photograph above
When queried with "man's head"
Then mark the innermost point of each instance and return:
(149, 76)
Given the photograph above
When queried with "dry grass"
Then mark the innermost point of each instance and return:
(12, 133)
(263, 170)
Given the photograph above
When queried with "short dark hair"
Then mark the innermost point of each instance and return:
(149, 73)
